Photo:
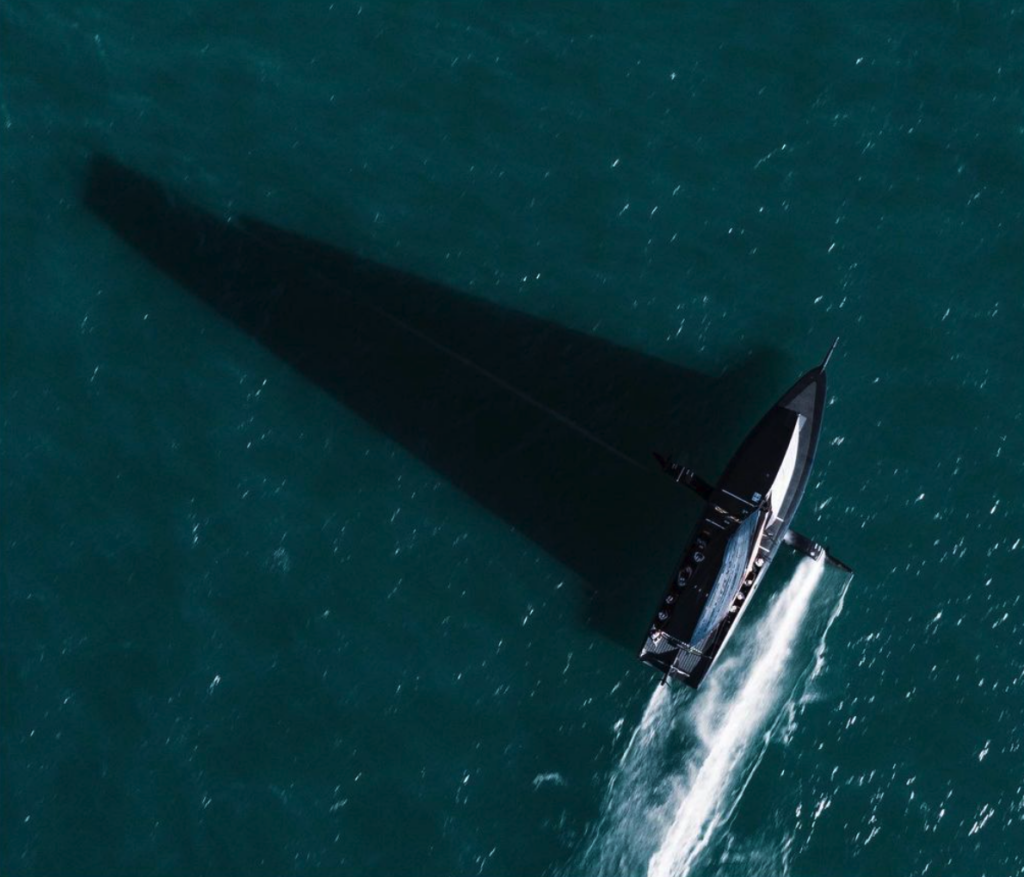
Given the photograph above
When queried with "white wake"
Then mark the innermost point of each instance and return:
(684, 771)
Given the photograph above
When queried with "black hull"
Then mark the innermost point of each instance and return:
(744, 522)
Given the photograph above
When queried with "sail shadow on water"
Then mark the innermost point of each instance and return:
(549, 428)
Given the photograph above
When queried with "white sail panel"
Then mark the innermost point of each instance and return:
(784, 477)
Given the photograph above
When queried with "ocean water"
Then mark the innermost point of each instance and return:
(334, 341)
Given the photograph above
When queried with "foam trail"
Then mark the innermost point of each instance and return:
(661, 815)
(727, 724)
(613, 847)
(819, 652)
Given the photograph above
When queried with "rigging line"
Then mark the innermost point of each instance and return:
(561, 418)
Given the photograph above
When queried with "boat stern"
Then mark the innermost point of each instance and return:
(674, 659)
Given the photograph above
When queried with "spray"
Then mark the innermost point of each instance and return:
(665, 817)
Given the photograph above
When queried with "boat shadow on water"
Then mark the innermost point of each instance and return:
(549, 428)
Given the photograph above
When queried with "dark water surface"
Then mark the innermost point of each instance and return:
(334, 340)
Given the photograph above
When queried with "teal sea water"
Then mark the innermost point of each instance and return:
(350, 605)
